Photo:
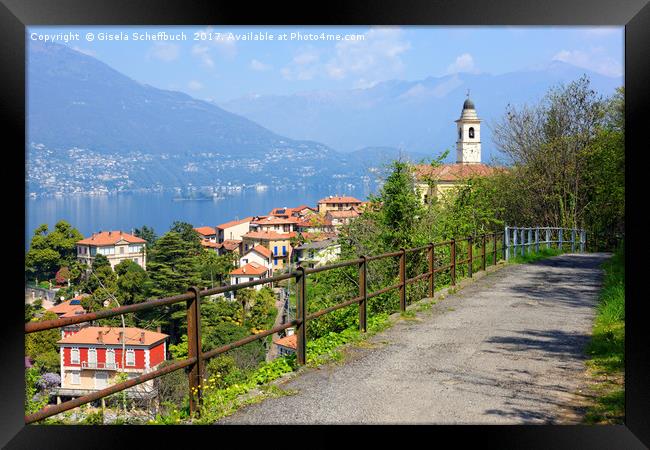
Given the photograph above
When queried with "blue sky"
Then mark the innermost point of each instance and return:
(226, 68)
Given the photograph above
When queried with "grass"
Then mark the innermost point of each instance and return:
(606, 349)
(532, 256)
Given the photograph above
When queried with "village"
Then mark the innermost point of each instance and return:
(261, 246)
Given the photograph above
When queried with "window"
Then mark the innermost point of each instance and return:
(284, 249)
(135, 248)
(275, 250)
(74, 355)
(275, 261)
(244, 261)
(460, 133)
(92, 357)
(471, 132)
(121, 250)
(251, 279)
(135, 260)
(130, 357)
(74, 378)
(110, 357)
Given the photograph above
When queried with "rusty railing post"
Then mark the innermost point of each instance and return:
(194, 349)
(301, 315)
(363, 293)
(494, 250)
(483, 268)
(402, 280)
(432, 274)
(470, 264)
(452, 261)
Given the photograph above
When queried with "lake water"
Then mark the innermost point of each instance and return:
(124, 212)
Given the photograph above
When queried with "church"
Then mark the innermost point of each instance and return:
(435, 181)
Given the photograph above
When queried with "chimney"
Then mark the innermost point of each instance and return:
(159, 329)
(121, 337)
(100, 337)
(289, 331)
(142, 337)
(109, 233)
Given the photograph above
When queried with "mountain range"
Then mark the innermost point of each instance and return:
(91, 128)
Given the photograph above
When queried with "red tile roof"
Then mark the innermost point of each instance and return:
(209, 244)
(110, 335)
(265, 252)
(315, 220)
(231, 244)
(339, 200)
(206, 231)
(250, 269)
(319, 236)
(343, 214)
(65, 309)
(110, 238)
(269, 235)
(274, 220)
(454, 171)
(233, 223)
(288, 341)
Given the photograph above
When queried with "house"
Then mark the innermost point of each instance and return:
(337, 203)
(117, 246)
(343, 217)
(249, 272)
(258, 254)
(278, 243)
(274, 223)
(70, 308)
(435, 182)
(207, 233)
(288, 344)
(299, 211)
(315, 223)
(233, 230)
(92, 358)
(317, 252)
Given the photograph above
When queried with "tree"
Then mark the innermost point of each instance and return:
(215, 268)
(49, 251)
(148, 234)
(62, 276)
(133, 283)
(41, 346)
(187, 234)
(547, 145)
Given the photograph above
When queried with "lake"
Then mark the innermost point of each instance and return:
(126, 211)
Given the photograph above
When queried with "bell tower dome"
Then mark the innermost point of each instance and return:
(468, 145)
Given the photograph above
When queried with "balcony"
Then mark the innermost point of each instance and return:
(100, 365)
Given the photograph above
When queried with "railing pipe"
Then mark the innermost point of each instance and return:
(483, 253)
(363, 293)
(453, 262)
(402, 280)
(301, 314)
(432, 274)
(195, 371)
(470, 265)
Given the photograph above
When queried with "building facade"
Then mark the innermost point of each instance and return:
(117, 246)
(92, 358)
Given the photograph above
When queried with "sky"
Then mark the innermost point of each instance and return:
(220, 63)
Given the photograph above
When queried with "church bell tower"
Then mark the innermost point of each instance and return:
(468, 145)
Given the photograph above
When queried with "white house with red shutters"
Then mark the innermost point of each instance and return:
(92, 357)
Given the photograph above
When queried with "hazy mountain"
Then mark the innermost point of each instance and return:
(90, 127)
(415, 116)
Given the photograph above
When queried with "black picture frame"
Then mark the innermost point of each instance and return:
(15, 15)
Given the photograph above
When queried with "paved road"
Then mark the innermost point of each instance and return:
(507, 349)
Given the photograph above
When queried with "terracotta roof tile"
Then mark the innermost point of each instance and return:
(250, 269)
(206, 231)
(65, 309)
(454, 171)
(110, 335)
(231, 244)
(288, 341)
(339, 200)
(343, 214)
(233, 223)
(209, 244)
(110, 238)
(265, 252)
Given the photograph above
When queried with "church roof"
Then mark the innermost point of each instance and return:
(454, 171)
(468, 104)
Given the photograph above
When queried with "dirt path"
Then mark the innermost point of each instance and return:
(507, 349)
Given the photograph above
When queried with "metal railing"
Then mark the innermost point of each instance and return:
(523, 240)
(194, 363)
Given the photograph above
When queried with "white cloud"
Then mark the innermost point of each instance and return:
(195, 85)
(259, 65)
(463, 63)
(594, 60)
(602, 32)
(164, 51)
(377, 57)
(203, 53)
